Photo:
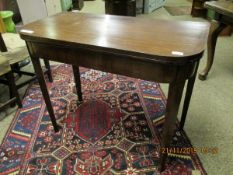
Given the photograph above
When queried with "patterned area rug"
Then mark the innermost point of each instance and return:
(115, 131)
(179, 10)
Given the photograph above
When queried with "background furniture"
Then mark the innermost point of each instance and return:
(2, 26)
(13, 44)
(151, 5)
(140, 6)
(11, 5)
(14, 49)
(211, 16)
(53, 6)
(108, 44)
(7, 20)
(198, 9)
(131, 7)
(32, 10)
(77, 4)
(223, 17)
(120, 7)
(5, 70)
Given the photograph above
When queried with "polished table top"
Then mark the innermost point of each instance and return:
(154, 40)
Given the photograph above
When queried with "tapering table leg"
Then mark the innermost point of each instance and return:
(49, 73)
(188, 95)
(173, 102)
(215, 30)
(78, 83)
(41, 79)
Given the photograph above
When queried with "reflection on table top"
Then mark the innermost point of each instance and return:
(153, 39)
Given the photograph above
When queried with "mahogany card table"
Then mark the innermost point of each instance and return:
(154, 50)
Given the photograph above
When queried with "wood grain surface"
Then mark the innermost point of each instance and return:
(149, 39)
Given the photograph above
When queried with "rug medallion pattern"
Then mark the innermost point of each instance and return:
(116, 130)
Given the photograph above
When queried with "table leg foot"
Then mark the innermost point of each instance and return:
(79, 103)
(57, 128)
(202, 76)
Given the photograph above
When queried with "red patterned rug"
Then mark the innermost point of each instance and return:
(115, 131)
